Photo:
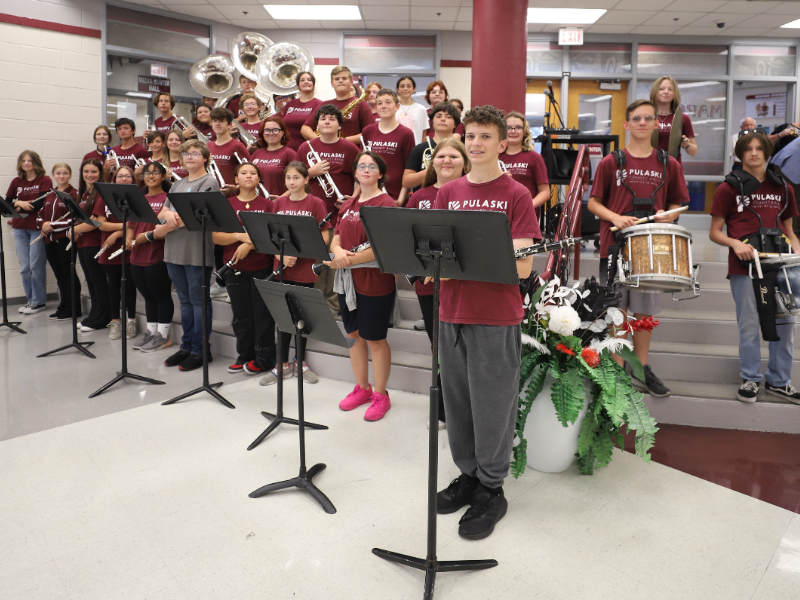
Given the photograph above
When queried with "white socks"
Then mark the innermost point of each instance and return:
(152, 328)
(163, 329)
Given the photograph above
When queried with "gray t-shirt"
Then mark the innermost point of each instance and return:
(182, 247)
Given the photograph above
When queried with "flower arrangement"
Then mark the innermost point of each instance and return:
(566, 333)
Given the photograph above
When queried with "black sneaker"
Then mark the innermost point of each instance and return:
(177, 358)
(651, 384)
(486, 509)
(191, 362)
(53, 316)
(787, 392)
(748, 391)
(459, 493)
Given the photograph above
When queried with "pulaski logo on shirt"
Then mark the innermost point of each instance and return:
(633, 176)
(763, 201)
(350, 215)
(478, 204)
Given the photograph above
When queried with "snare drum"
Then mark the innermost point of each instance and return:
(787, 281)
(656, 257)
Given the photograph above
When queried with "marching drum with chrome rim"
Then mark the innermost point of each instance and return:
(656, 257)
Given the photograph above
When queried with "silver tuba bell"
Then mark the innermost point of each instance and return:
(278, 65)
(213, 76)
(245, 50)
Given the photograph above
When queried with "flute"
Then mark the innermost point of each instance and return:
(102, 251)
(119, 251)
(652, 217)
(38, 239)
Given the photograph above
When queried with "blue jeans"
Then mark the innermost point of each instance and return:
(32, 262)
(188, 281)
(781, 353)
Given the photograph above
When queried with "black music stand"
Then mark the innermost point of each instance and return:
(304, 312)
(281, 234)
(440, 243)
(127, 203)
(205, 212)
(77, 214)
(7, 210)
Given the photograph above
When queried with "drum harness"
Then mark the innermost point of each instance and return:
(642, 207)
(770, 301)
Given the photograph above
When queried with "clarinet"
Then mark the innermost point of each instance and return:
(277, 271)
(317, 269)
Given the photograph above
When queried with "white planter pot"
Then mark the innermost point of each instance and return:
(551, 446)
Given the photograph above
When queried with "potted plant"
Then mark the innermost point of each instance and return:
(580, 397)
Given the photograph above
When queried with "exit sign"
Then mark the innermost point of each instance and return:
(570, 37)
(157, 70)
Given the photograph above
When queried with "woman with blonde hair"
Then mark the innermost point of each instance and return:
(674, 127)
(372, 98)
(524, 164)
(27, 192)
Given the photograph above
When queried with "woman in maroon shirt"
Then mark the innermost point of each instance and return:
(523, 162)
(252, 324)
(172, 157)
(368, 321)
(148, 269)
(157, 146)
(201, 123)
(295, 112)
(27, 191)
(251, 105)
(89, 242)
(111, 241)
(53, 219)
(667, 98)
(273, 154)
(102, 139)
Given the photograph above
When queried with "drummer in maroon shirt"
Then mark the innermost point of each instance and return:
(392, 141)
(225, 149)
(101, 137)
(128, 150)
(296, 111)
(480, 338)
(164, 103)
(355, 121)
(613, 203)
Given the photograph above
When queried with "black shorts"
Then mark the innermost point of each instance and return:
(371, 317)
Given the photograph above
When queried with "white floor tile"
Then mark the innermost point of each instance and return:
(41, 582)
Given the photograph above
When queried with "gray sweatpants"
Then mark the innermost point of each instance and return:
(480, 384)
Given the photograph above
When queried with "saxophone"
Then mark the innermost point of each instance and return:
(349, 108)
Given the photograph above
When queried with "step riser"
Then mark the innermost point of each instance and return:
(706, 369)
(701, 332)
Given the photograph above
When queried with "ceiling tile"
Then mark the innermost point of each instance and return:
(255, 23)
(720, 17)
(450, 3)
(697, 5)
(465, 14)
(234, 11)
(583, 4)
(626, 17)
(292, 24)
(204, 11)
(782, 33)
(704, 30)
(342, 24)
(637, 4)
(180, 3)
(654, 30)
(398, 24)
(668, 18)
(600, 28)
(770, 21)
(463, 26)
(439, 25)
(260, 5)
(434, 13)
(383, 2)
(385, 13)
(782, 8)
(745, 31)
(750, 7)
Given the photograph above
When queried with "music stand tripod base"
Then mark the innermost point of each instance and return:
(7, 210)
(301, 482)
(279, 419)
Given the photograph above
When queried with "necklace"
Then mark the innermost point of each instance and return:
(405, 112)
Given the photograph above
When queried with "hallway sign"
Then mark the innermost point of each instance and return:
(766, 106)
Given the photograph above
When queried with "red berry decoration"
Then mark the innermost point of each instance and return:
(646, 324)
(591, 357)
(562, 348)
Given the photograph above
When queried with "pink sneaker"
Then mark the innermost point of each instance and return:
(356, 398)
(379, 407)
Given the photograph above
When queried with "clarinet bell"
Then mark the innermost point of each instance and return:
(319, 268)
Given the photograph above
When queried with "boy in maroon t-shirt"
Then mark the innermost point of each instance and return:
(128, 150)
(224, 149)
(642, 171)
(355, 120)
(480, 338)
(164, 103)
(392, 141)
(757, 193)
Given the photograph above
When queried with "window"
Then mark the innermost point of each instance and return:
(543, 57)
(401, 54)
(156, 34)
(600, 58)
(677, 60)
(764, 61)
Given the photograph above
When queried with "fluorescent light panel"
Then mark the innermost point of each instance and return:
(565, 16)
(792, 25)
(314, 12)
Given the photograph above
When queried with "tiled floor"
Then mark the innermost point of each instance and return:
(151, 503)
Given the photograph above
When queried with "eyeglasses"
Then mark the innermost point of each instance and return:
(370, 168)
(191, 154)
(273, 131)
(517, 128)
(647, 119)
(151, 173)
(756, 130)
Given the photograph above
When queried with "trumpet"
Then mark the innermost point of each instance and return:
(325, 181)
(180, 125)
(175, 177)
(214, 170)
(426, 155)
(260, 185)
(367, 146)
(140, 162)
(247, 138)
(502, 166)
(319, 268)
(113, 156)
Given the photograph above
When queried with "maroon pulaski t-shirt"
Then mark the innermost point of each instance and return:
(90, 239)
(528, 168)
(101, 210)
(767, 201)
(163, 125)
(22, 189)
(223, 155)
(341, 155)
(148, 253)
(295, 114)
(394, 148)
(128, 156)
(309, 206)
(350, 229)
(423, 198)
(354, 123)
(476, 302)
(55, 212)
(643, 176)
(271, 164)
(253, 261)
(177, 168)
(665, 127)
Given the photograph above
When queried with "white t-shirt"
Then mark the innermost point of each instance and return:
(415, 117)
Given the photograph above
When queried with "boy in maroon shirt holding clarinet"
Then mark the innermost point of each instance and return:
(128, 150)
(641, 171)
(481, 340)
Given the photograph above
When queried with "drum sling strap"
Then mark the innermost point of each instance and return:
(675, 134)
(766, 239)
(642, 207)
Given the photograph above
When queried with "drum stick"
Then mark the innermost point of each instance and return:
(758, 264)
(652, 217)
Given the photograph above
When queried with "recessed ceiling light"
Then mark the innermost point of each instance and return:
(565, 16)
(314, 12)
(792, 25)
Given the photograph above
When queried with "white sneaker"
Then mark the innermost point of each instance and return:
(217, 291)
(32, 310)
(130, 329)
(419, 325)
(442, 425)
(87, 329)
(23, 308)
(116, 330)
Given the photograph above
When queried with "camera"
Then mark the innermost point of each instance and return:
(720, 25)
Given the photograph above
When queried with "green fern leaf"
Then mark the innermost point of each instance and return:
(569, 396)
(586, 463)
(588, 433)
(603, 448)
(520, 459)
(639, 420)
(633, 360)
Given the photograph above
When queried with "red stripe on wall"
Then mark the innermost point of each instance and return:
(37, 24)
(456, 63)
(326, 61)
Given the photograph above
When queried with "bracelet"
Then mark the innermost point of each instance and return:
(150, 236)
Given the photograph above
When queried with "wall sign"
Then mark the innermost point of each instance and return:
(158, 70)
(570, 36)
(153, 84)
(766, 106)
